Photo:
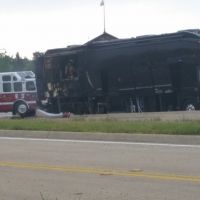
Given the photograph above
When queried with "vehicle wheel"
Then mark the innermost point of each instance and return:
(21, 109)
(190, 107)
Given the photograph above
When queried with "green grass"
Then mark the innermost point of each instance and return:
(107, 126)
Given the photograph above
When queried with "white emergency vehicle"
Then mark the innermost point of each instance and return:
(18, 92)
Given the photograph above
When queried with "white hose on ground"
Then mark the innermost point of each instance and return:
(42, 113)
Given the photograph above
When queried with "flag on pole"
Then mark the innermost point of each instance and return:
(102, 3)
(104, 16)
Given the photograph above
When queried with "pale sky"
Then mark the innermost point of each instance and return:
(28, 26)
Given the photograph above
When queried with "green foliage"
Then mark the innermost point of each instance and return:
(106, 126)
(8, 63)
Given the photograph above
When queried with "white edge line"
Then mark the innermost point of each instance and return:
(100, 142)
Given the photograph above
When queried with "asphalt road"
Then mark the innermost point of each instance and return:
(34, 169)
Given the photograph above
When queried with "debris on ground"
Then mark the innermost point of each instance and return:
(38, 113)
(42, 113)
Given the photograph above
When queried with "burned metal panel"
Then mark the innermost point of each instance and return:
(156, 50)
(109, 50)
(40, 75)
(64, 72)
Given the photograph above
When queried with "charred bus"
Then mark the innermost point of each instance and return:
(147, 73)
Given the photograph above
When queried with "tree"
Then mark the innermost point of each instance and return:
(8, 63)
(18, 63)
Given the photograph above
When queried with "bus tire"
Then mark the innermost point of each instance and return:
(189, 105)
(21, 108)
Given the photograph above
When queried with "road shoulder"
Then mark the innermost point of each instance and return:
(116, 137)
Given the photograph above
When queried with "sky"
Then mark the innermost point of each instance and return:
(29, 26)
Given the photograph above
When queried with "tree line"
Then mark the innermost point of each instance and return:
(8, 63)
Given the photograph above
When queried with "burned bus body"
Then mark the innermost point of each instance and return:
(150, 73)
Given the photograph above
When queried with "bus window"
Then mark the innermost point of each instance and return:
(6, 87)
(30, 86)
(6, 78)
(14, 78)
(17, 86)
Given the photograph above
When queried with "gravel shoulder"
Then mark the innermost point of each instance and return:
(160, 116)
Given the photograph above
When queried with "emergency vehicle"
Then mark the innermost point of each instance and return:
(18, 93)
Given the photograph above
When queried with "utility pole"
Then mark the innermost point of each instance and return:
(104, 15)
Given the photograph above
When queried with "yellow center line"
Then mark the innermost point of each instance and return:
(99, 171)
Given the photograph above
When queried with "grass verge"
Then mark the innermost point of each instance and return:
(106, 126)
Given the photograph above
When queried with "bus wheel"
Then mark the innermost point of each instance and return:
(190, 107)
(21, 109)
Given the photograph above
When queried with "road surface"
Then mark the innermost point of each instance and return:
(34, 169)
